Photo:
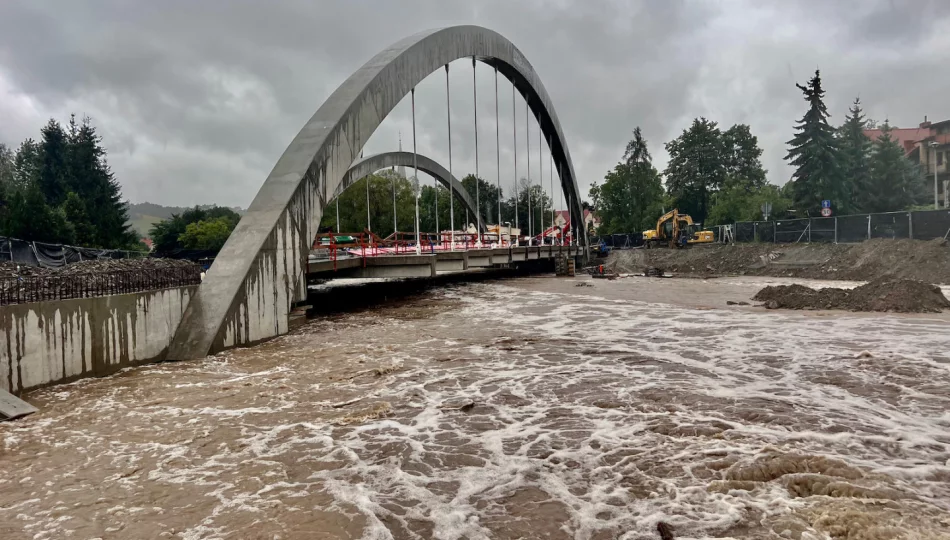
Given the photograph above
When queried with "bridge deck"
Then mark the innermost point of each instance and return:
(430, 264)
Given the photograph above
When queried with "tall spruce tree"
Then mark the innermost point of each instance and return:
(856, 157)
(895, 182)
(53, 171)
(91, 179)
(814, 154)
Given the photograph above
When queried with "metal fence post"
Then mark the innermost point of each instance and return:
(869, 226)
(910, 225)
(809, 230)
(774, 233)
(755, 231)
(836, 229)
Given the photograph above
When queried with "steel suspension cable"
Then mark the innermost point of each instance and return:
(551, 171)
(498, 156)
(478, 205)
(527, 149)
(514, 140)
(338, 215)
(541, 183)
(369, 226)
(448, 106)
(415, 172)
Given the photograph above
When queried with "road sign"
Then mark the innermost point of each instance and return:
(766, 210)
(826, 203)
(826, 212)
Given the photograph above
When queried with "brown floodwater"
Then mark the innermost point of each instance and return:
(523, 408)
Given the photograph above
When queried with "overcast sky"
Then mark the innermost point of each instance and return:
(197, 100)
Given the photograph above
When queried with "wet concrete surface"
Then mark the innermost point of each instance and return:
(526, 408)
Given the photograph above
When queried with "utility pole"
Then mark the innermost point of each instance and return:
(933, 150)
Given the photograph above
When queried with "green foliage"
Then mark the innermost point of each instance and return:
(738, 202)
(895, 182)
(167, 234)
(75, 212)
(631, 197)
(814, 153)
(704, 158)
(37, 188)
(486, 198)
(29, 217)
(540, 206)
(855, 158)
(207, 234)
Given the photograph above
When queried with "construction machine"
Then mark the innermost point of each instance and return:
(676, 230)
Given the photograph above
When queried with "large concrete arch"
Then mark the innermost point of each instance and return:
(376, 162)
(258, 276)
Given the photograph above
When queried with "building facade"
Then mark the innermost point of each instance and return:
(929, 146)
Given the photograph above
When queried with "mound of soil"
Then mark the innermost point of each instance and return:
(884, 294)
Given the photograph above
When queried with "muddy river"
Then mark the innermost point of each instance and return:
(527, 408)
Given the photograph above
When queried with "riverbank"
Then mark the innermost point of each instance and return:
(909, 259)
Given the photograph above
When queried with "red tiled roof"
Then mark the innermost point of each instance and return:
(906, 137)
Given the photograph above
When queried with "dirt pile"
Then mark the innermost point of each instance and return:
(908, 259)
(883, 294)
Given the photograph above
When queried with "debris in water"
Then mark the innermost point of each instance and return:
(583, 284)
(731, 303)
(380, 410)
(652, 271)
(665, 530)
(865, 354)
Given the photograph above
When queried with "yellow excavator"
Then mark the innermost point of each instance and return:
(676, 230)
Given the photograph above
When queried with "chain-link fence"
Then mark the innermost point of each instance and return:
(26, 253)
(922, 225)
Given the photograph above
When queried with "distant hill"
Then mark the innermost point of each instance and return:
(142, 216)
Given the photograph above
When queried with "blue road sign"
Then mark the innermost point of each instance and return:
(826, 204)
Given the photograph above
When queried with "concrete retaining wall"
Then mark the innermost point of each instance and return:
(49, 342)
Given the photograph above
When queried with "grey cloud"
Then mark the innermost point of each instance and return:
(197, 100)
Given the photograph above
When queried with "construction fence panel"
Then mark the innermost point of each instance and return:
(791, 230)
(930, 224)
(852, 229)
(822, 230)
(745, 231)
(892, 225)
(764, 231)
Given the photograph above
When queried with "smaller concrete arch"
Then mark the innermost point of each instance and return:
(377, 162)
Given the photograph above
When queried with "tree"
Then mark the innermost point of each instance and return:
(813, 151)
(53, 171)
(166, 234)
(743, 157)
(488, 196)
(26, 164)
(30, 218)
(90, 177)
(210, 234)
(737, 202)
(631, 197)
(696, 168)
(7, 166)
(895, 182)
(74, 210)
(855, 158)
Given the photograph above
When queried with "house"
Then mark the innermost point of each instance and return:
(148, 243)
(928, 144)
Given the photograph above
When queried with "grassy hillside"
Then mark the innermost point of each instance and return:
(143, 215)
